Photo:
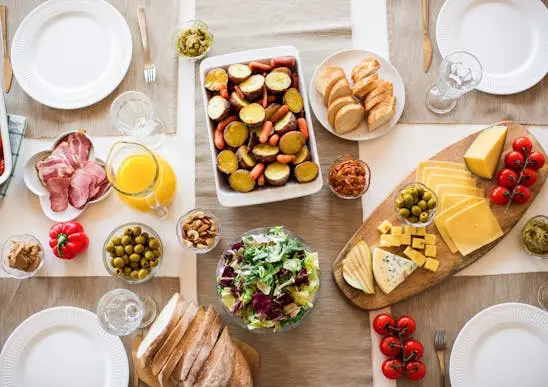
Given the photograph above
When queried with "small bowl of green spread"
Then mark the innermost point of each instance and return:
(534, 236)
(193, 39)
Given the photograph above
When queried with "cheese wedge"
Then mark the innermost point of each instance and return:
(449, 200)
(435, 163)
(444, 215)
(445, 189)
(484, 153)
(390, 270)
(473, 227)
(438, 179)
(427, 171)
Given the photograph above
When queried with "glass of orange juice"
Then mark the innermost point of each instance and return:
(143, 180)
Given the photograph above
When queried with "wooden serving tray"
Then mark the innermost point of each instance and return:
(450, 263)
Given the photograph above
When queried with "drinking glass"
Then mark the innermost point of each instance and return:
(460, 72)
(543, 296)
(132, 113)
(143, 199)
(121, 312)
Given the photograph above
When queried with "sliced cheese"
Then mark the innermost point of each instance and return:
(390, 270)
(446, 189)
(484, 153)
(358, 268)
(444, 215)
(366, 264)
(435, 163)
(473, 227)
(350, 277)
(445, 171)
(438, 179)
(449, 200)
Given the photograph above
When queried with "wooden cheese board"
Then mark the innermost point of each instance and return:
(450, 263)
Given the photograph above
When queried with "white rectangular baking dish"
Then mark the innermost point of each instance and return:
(5, 135)
(227, 197)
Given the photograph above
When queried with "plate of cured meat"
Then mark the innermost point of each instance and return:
(68, 177)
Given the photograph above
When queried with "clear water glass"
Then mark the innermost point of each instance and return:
(543, 296)
(121, 312)
(460, 73)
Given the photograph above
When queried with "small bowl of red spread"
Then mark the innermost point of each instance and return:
(349, 177)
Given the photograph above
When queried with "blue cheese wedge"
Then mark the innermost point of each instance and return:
(390, 270)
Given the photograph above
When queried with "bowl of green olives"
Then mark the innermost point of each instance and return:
(133, 252)
(416, 205)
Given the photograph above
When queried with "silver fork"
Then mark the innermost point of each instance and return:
(440, 340)
(150, 68)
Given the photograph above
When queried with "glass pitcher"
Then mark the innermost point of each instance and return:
(143, 180)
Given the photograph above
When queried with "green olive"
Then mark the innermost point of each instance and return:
(424, 217)
(136, 231)
(134, 265)
(127, 231)
(143, 274)
(149, 255)
(113, 254)
(153, 243)
(157, 253)
(399, 202)
(153, 262)
(135, 258)
(144, 263)
(408, 200)
(127, 270)
(413, 191)
(120, 251)
(126, 240)
(134, 274)
(116, 241)
(129, 248)
(145, 235)
(413, 219)
(109, 247)
(140, 240)
(416, 210)
(420, 190)
(112, 262)
(139, 249)
(118, 271)
(427, 196)
(404, 212)
(432, 203)
(118, 262)
(422, 204)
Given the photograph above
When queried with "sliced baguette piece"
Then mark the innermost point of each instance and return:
(219, 365)
(369, 105)
(209, 342)
(365, 86)
(327, 78)
(175, 356)
(241, 373)
(381, 113)
(341, 88)
(174, 338)
(160, 329)
(335, 106)
(382, 88)
(348, 118)
(365, 68)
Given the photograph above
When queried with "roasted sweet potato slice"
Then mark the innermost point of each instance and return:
(277, 81)
(238, 72)
(246, 160)
(286, 70)
(293, 100)
(236, 102)
(227, 162)
(286, 124)
(235, 134)
(270, 110)
(265, 153)
(302, 156)
(307, 172)
(277, 173)
(218, 108)
(252, 114)
(215, 78)
(241, 181)
(292, 142)
(252, 87)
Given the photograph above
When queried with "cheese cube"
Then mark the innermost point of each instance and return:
(431, 264)
(430, 251)
(421, 231)
(418, 243)
(430, 239)
(385, 241)
(415, 256)
(410, 230)
(384, 227)
(396, 230)
(395, 240)
(405, 239)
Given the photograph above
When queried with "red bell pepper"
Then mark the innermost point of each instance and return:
(67, 239)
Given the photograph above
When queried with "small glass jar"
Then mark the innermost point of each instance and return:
(431, 213)
(185, 242)
(343, 159)
(189, 25)
(538, 218)
(16, 273)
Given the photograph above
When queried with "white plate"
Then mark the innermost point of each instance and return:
(69, 54)
(63, 347)
(505, 345)
(348, 59)
(509, 38)
(228, 197)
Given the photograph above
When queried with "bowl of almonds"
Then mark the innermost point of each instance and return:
(198, 230)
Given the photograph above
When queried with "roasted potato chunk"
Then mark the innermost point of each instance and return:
(286, 124)
(241, 181)
(292, 142)
(307, 172)
(227, 162)
(235, 134)
(252, 114)
(265, 153)
(252, 87)
(218, 108)
(238, 72)
(215, 78)
(277, 173)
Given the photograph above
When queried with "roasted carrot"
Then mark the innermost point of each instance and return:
(273, 140)
(260, 180)
(219, 140)
(222, 125)
(256, 171)
(279, 114)
(265, 97)
(303, 127)
(239, 91)
(285, 159)
(224, 91)
(295, 81)
(267, 127)
(258, 67)
(283, 61)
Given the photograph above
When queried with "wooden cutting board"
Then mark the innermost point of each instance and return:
(450, 263)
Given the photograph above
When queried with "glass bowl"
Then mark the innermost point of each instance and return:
(16, 273)
(194, 23)
(237, 320)
(119, 231)
(179, 231)
(542, 218)
(432, 211)
(344, 158)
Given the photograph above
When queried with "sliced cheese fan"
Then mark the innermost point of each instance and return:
(390, 270)
(357, 268)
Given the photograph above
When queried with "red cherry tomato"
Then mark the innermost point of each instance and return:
(500, 195)
(390, 346)
(507, 178)
(406, 326)
(415, 370)
(522, 145)
(528, 177)
(521, 195)
(536, 160)
(514, 160)
(383, 324)
(392, 368)
(412, 350)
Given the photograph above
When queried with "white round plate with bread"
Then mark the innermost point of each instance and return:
(357, 95)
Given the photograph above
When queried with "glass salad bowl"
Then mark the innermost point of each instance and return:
(268, 280)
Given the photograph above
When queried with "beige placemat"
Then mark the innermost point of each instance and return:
(332, 347)
(451, 304)
(162, 18)
(405, 39)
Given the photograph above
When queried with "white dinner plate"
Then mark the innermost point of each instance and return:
(509, 38)
(505, 345)
(69, 54)
(348, 59)
(63, 347)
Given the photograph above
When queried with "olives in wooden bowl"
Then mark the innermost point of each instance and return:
(416, 205)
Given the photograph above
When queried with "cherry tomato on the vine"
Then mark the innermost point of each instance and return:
(522, 145)
(514, 160)
(392, 368)
(500, 195)
(406, 326)
(536, 160)
(507, 178)
(521, 195)
(383, 324)
(412, 350)
(529, 177)
(390, 346)
(415, 370)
